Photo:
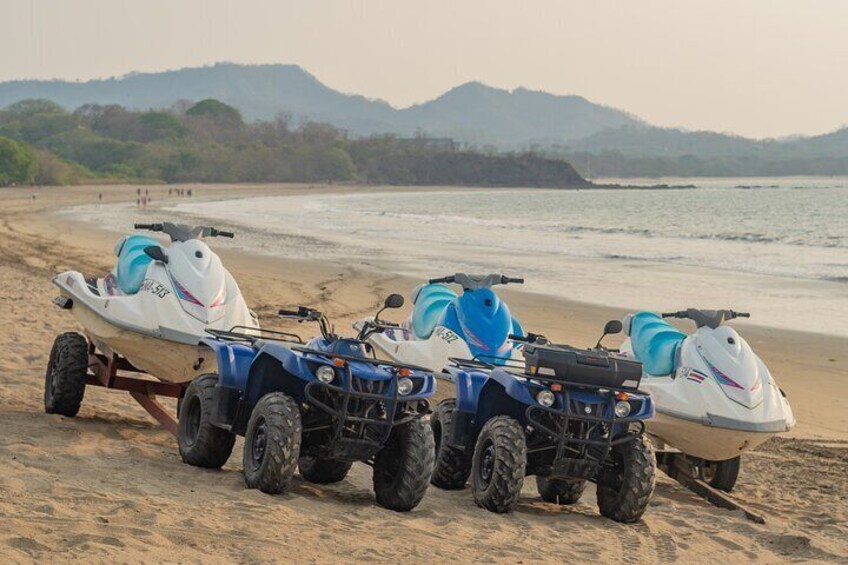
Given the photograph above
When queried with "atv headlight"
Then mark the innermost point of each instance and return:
(404, 386)
(622, 409)
(545, 398)
(325, 374)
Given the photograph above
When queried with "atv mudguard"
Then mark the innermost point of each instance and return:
(234, 360)
(482, 395)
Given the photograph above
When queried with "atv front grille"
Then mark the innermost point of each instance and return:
(362, 413)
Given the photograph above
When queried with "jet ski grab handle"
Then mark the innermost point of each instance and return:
(181, 232)
(709, 318)
(476, 282)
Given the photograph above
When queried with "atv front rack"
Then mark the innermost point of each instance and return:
(354, 358)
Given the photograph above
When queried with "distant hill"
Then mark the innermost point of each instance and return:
(473, 113)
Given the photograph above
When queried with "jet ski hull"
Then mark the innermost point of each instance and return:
(168, 360)
(724, 443)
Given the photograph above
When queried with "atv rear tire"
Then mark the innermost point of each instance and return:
(402, 469)
(323, 471)
(499, 464)
(201, 443)
(721, 474)
(64, 382)
(559, 491)
(624, 492)
(272, 443)
(453, 466)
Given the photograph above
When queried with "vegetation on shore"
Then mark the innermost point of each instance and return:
(42, 143)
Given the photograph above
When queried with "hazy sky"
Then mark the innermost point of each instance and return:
(755, 67)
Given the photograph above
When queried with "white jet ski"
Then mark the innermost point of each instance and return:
(155, 306)
(714, 398)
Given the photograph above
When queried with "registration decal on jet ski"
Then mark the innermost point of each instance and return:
(155, 288)
(446, 334)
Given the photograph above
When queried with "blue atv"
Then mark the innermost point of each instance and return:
(318, 406)
(566, 415)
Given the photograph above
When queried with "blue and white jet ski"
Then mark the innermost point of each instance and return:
(475, 324)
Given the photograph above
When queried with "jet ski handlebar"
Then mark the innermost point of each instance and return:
(476, 282)
(711, 318)
(179, 232)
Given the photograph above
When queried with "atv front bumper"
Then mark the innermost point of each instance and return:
(581, 434)
(363, 413)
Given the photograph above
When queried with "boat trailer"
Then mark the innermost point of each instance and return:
(103, 372)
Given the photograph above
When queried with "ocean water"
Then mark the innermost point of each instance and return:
(775, 247)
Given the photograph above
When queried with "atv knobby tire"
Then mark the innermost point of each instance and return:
(498, 464)
(64, 382)
(721, 474)
(625, 491)
(402, 469)
(559, 491)
(323, 471)
(453, 465)
(272, 443)
(201, 443)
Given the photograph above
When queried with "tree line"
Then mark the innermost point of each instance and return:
(208, 141)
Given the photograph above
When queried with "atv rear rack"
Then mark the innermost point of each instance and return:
(259, 333)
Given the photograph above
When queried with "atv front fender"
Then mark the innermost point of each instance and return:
(234, 360)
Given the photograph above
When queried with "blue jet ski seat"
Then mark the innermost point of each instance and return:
(654, 342)
(429, 303)
(132, 262)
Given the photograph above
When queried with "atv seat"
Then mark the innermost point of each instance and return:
(132, 262)
(430, 301)
(655, 342)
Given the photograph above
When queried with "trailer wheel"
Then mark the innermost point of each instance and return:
(402, 469)
(201, 443)
(499, 464)
(559, 491)
(624, 491)
(272, 443)
(323, 471)
(453, 466)
(721, 474)
(64, 381)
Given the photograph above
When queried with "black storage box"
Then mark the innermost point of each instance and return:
(595, 368)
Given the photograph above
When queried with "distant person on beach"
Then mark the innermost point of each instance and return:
(138, 192)
(100, 196)
(33, 196)
(169, 191)
(189, 193)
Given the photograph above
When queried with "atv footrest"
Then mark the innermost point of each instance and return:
(567, 468)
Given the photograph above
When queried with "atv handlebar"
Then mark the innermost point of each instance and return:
(529, 338)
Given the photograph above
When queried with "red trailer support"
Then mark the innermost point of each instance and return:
(104, 372)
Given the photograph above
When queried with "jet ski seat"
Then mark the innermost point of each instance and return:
(132, 262)
(655, 342)
(429, 302)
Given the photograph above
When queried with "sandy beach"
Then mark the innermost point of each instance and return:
(109, 486)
